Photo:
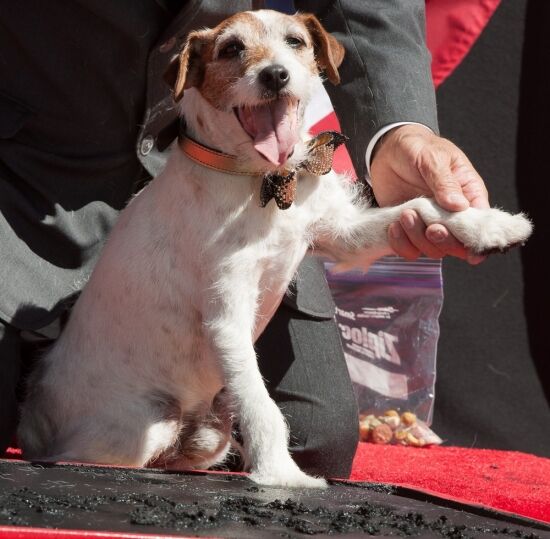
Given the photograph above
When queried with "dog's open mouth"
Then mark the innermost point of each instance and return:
(273, 127)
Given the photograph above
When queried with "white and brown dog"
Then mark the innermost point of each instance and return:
(158, 354)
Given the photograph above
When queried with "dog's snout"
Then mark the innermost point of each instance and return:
(274, 77)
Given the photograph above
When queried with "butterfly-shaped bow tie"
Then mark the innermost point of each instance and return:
(282, 187)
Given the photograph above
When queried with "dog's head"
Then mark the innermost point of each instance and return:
(249, 80)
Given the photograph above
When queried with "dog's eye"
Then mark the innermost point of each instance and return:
(231, 50)
(294, 42)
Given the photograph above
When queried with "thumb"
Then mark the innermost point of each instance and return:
(435, 168)
(448, 195)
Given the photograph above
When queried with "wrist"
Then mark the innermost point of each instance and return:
(399, 134)
(388, 133)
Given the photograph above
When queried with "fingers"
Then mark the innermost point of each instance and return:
(409, 238)
(476, 192)
(412, 161)
(434, 164)
(454, 181)
(445, 241)
(400, 242)
(449, 245)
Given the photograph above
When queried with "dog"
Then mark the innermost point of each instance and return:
(157, 359)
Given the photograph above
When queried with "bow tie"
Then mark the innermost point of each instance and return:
(282, 187)
(279, 186)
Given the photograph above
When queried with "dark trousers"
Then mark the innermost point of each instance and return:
(10, 367)
(302, 362)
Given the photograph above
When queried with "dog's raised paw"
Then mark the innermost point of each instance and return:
(487, 231)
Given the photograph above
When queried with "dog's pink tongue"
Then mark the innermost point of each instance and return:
(273, 128)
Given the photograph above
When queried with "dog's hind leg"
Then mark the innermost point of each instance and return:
(110, 444)
(55, 433)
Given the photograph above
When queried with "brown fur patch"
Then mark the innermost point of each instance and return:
(220, 75)
(243, 17)
(187, 69)
(329, 53)
(256, 54)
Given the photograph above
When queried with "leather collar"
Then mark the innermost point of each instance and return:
(279, 186)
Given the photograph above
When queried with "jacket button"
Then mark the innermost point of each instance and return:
(147, 144)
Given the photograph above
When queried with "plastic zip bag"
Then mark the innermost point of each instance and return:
(389, 324)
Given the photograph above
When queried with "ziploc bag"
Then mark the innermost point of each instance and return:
(388, 320)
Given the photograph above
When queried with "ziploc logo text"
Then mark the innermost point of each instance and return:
(380, 345)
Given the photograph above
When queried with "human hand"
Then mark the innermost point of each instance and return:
(411, 161)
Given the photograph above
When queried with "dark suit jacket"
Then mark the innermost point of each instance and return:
(71, 94)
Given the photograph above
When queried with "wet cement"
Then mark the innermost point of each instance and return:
(220, 505)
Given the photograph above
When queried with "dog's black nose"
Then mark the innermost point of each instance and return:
(274, 77)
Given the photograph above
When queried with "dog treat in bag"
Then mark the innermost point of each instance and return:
(392, 427)
(388, 322)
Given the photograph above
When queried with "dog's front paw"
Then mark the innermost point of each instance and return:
(294, 479)
(486, 231)
(285, 473)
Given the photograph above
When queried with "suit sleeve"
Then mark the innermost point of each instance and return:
(385, 75)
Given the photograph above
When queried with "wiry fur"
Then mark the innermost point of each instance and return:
(158, 354)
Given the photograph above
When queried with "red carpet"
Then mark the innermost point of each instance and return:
(510, 481)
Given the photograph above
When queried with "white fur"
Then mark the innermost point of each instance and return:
(190, 276)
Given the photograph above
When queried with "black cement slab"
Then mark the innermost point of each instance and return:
(223, 505)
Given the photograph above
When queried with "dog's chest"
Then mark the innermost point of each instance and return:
(284, 249)
(261, 247)
(271, 243)
(236, 242)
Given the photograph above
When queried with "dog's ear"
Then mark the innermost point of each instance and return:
(329, 53)
(186, 69)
